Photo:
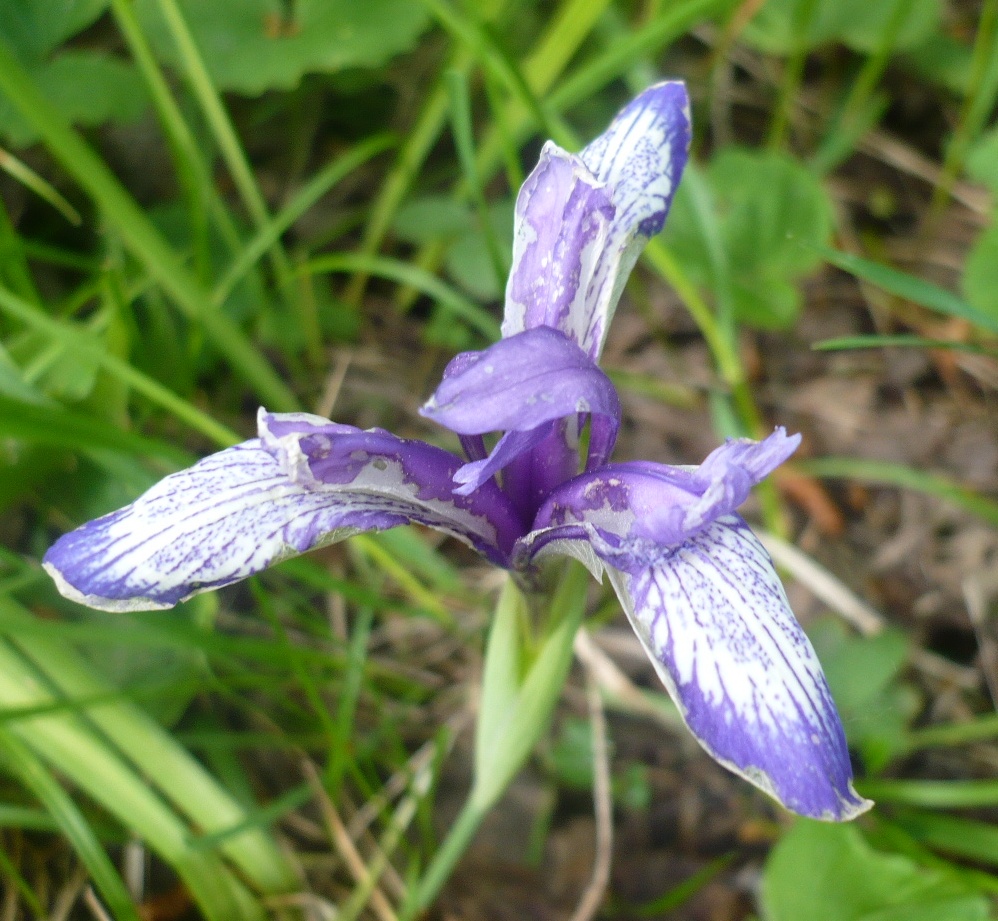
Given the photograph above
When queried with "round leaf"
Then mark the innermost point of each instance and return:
(252, 45)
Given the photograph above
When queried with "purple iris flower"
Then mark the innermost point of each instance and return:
(698, 587)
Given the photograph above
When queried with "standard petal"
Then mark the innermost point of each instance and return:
(562, 220)
(714, 619)
(520, 383)
(305, 483)
(522, 386)
(639, 159)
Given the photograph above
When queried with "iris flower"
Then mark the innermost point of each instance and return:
(698, 587)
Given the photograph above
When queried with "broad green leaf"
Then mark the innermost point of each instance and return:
(468, 262)
(980, 273)
(865, 22)
(856, 23)
(982, 160)
(830, 873)
(863, 675)
(255, 45)
(430, 218)
(33, 28)
(771, 213)
(440, 218)
(87, 87)
(770, 204)
(775, 28)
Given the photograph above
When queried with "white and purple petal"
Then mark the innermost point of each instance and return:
(562, 219)
(303, 484)
(714, 619)
(640, 159)
(636, 511)
(581, 221)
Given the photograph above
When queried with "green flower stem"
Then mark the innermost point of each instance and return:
(138, 233)
(978, 106)
(194, 176)
(225, 135)
(516, 706)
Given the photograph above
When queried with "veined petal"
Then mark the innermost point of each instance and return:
(562, 220)
(640, 159)
(636, 512)
(304, 483)
(521, 385)
(714, 619)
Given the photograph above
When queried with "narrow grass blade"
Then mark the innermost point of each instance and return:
(982, 729)
(44, 190)
(168, 765)
(138, 233)
(902, 341)
(933, 794)
(419, 279)
(71, 823)
(92, 765)
(908, 287)
(53, 425)
(966, 838)
(224, 133)
(464, 141)
(71, 337)
(889, 474)
(307, 196)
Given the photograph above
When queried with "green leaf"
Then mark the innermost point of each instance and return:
(468, 261)
(33, 28)
(980, 273)
(87, 87)
(830, 873)
(862, 673)
(430, 218)
(441, 218)
(254, 45)
(856, 23)
(771, 214)
(864, 23)
(982, 160)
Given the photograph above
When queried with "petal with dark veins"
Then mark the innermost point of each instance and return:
(714, 619)
(304, 484)
(640, 159)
